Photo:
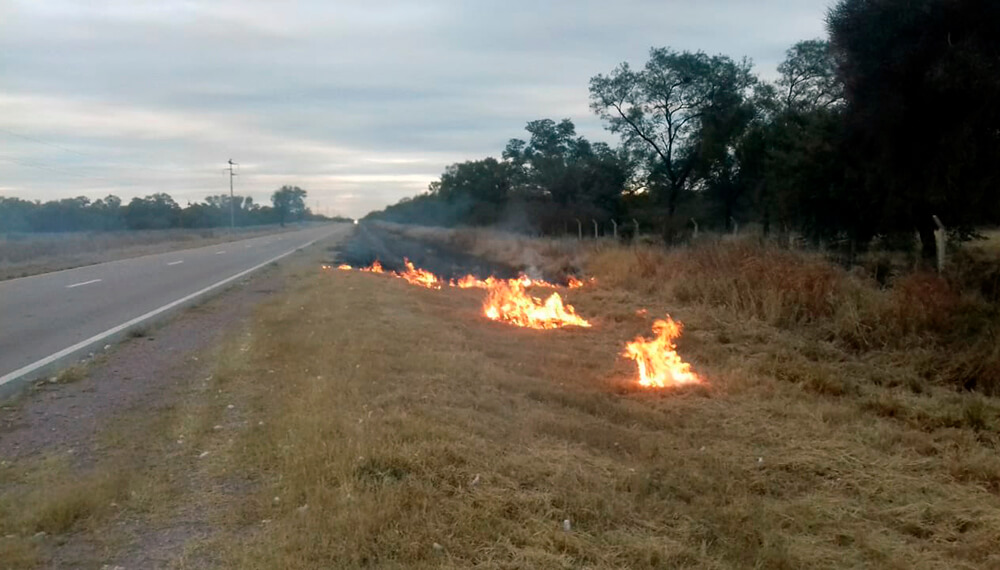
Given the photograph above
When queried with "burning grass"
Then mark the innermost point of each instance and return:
(386, 425)
(472, 445)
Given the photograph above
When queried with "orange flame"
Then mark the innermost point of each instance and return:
(374, 268)
(420, 277)
(508, 302)
(573, 282)
(657, 360)
(344, 267)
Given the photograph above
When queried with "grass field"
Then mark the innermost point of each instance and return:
(377, 424)
(22, 255)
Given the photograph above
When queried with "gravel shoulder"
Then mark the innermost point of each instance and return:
(91, 420)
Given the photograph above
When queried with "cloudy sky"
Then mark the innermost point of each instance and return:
(360, 103)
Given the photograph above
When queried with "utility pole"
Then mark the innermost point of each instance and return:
(232, 199)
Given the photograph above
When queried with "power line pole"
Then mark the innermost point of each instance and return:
(232, 199)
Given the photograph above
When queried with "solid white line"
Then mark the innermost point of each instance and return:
(84, 283)
(176, 262)
(114, 330)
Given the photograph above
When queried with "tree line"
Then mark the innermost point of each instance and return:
(866, 134)
(153, 212)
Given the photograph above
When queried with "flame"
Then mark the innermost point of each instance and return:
(324, 266)
(374, 268)
(507, 301)
(420, 277)
(573, 282)
(658, 363)
(471, 282)
(344, 267)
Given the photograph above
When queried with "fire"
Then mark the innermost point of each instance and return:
(573, 282)
(344, 267)
(657, 360)
(507, 301)
(374, 268)
(420, 277)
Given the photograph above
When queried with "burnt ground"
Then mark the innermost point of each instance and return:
(370, 243)
(130, 387)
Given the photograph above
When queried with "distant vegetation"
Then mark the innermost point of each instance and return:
(866, 134)
(154, 212)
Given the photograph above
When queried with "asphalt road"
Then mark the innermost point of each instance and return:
(56, 316)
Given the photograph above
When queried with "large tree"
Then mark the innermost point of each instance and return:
(659, 110)
(289, 203)
(922, 81)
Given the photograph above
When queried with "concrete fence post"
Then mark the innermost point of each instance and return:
(695, 224)
(635, 223)
(595, 227)
(940, 243)
(579, 228)
(614, 226)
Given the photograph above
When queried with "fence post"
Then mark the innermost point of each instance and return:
(579, 229)
(940, 243)
(736, 225)
(695, 235)
(614, 226)
(635, 223)
(595, 227)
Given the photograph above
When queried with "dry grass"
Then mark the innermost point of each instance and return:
(22, 255)
(376, 424)
(402, 430)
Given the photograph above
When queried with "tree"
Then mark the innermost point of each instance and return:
(922, 81)
(289, 203)
(657, 111)
(154, 212)
(809, 77)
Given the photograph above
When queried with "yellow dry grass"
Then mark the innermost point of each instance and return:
(378, 424)
(403, 430)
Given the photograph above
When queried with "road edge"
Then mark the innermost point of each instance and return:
(11, 382)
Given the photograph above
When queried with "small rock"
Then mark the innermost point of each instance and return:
(702, 448)
(107, 347)
(437, 546)
(230, 406)
(566, 525)
(260, 423)
(302, 509)
(40, 535)
(277, 500)
(475, 480)
(216, 427)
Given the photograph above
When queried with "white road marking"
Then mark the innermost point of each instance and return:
(10, 376)
(220, 252)
(176, 262)
(84, 283)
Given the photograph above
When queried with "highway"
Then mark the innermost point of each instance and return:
(48, 319)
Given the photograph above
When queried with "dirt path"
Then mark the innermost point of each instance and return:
(66, 431)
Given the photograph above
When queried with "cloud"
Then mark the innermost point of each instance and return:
(359, 103)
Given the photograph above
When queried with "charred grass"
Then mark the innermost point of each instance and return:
(363, 422)
(399, 429)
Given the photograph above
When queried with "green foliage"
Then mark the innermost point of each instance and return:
(922, 79)
(660, 110)
(157, 211)
(289, 203)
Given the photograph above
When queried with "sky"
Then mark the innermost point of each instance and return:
(359, 103)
